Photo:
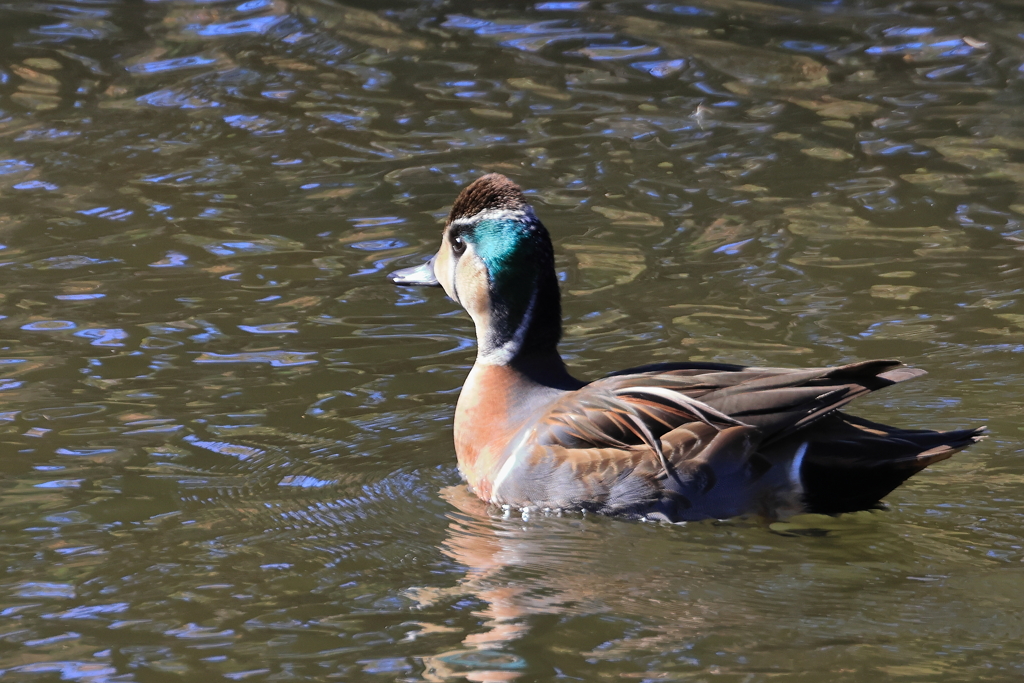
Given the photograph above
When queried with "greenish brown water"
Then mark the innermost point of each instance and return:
(226, 438)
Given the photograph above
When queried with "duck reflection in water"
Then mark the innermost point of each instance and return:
(553, 571)
(475, 543)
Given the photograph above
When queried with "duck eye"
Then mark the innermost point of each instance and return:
(458, 245)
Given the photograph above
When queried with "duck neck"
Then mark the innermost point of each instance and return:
(518, 371)
(524, 324)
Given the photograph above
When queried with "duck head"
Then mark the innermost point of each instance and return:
(496, 261)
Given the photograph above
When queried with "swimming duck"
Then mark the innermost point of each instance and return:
(670, 441)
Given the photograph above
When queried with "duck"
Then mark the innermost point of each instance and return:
(672, 441)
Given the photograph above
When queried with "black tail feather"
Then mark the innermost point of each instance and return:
(852, 463)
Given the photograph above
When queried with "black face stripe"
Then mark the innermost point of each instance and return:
(463, 230)
(455, 280)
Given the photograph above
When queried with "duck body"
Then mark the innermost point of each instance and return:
(672, 441)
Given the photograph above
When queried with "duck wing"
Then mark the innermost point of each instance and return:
(777, 401)
(640, 406)
(714, 440)
(607, 447)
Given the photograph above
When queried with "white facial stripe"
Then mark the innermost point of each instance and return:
(503, 355)
(494, 214)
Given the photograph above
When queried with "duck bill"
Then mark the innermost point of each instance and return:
(421, 275)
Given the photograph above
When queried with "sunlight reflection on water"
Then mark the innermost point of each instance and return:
(228, 437)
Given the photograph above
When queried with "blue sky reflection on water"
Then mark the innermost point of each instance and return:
(228, 448)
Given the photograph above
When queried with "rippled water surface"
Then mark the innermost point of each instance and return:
(227, 438)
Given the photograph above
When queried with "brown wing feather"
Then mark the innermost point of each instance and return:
(691, 441)
(776, 401)
(710, 475)
(642, 409)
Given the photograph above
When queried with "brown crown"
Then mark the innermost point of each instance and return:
(492, 191)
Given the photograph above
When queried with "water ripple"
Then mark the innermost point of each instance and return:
(278, 359)
(228, 437)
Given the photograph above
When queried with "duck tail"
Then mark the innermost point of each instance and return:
(851, 464)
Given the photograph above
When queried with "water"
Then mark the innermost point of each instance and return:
(227, 438)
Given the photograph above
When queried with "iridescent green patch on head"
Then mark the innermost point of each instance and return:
(507, 248)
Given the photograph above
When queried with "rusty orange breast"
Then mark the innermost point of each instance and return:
(485, 423)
